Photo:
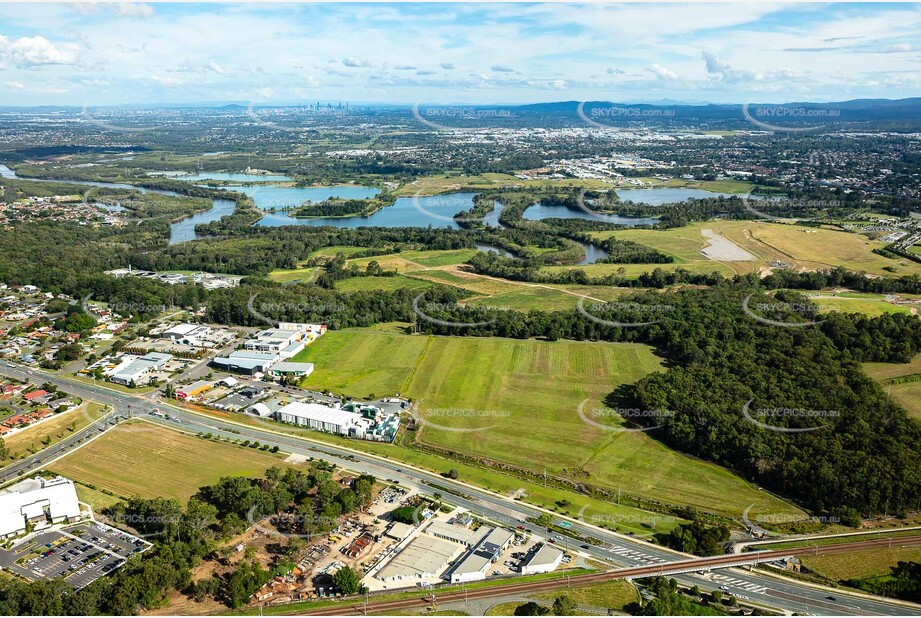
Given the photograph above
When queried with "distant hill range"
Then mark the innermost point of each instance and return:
(783, 114)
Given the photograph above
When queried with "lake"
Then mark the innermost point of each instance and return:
(537, 212)
(229, 177)
(657, 197)
(184, 229)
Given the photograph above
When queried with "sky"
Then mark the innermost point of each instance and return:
(171, 53)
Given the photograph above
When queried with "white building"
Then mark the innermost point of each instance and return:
(544, 560)
(423, 558)
(323, 418)
(138, 368)
(40, 502)
(289, 369)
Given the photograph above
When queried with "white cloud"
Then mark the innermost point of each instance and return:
(501, 68)
(29, 52)
(133, 9)
(662, 73)
(15, 85)
(447, 66)
(217, 68)
(356, 63)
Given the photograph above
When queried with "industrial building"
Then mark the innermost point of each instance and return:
(487, 545)
(450, 532)
(38, 502)
(285, 343)
(399, 531)
(424, 557)
(245, 362)
(134, 369)
(193, 390)
(321, 418)
(290, 370)
(544, 560)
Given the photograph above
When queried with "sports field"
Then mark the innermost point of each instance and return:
(518, 402)
(159, 462)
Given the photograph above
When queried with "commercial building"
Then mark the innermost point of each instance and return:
(39, 502)
(544, 560)
(399, 531)
(185, 332)
(245, 362)
(450, 532)
(137, 369)
(424, 557)
(292, 370)
(193, 390)
(323, 418)
(274, 341)
(487, 545)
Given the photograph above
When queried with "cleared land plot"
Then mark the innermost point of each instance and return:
(803, 247)
(159, 462)
(861, 564)
(387, 284)
(723, 249)
(909, 395)
(522, 399)
(883, 371)
(872, 307)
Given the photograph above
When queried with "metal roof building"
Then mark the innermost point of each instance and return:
(424, 557)
(320, 417)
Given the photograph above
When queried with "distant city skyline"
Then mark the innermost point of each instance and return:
(152, 54)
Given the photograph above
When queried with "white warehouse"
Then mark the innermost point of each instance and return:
(323, 418)
(40, 502)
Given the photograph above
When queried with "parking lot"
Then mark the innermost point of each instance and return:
(79, 554)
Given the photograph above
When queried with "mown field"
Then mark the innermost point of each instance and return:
(518, 402)
(158, 462)
(908, 394)
(807, 248)
(861, 564)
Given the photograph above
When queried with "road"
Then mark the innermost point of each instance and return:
(616, 549)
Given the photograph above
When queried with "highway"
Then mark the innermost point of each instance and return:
(616, 549)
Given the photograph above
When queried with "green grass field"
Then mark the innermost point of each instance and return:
(158, 462)
(517, 402)
(883, 371)
(55, 429)
(860, 564)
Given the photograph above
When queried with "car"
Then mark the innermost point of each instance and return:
(724, 587)
(831, 598)
(584, 546)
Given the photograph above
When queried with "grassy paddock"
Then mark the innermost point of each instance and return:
(159, 462)
(517, 402)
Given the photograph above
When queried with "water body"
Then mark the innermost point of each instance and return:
(593, 253)
(488, 248)
(6, 172)
(492, 219)
(269, 196)
(538, 212)
(657, 197)
(435, 211)
(230, 177)
(184, 230)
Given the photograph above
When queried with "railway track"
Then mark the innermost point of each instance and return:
(352, 608)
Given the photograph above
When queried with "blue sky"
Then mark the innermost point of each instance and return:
(135, 53)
